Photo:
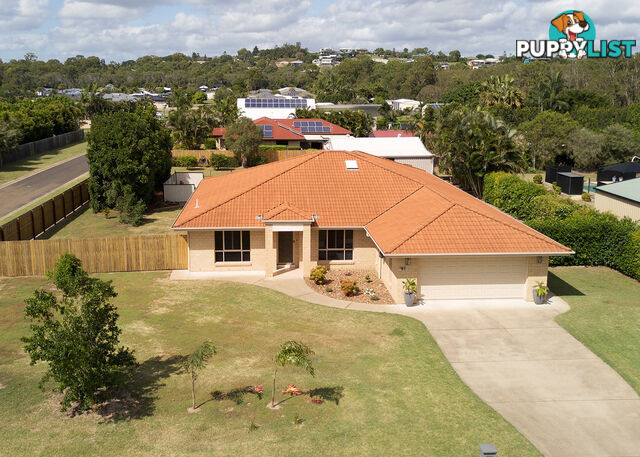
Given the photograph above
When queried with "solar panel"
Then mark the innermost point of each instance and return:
(275, 103)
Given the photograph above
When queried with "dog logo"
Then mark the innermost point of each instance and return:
(574, 28)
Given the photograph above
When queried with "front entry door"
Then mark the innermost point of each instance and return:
(285, 247)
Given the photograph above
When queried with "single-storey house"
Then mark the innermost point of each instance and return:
(620, 198)
(292, 133)
(273, 106)
(407, 150)
(352, 210)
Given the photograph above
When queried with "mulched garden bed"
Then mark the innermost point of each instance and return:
(332, 287)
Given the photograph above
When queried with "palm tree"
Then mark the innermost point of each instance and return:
(295, 354)
(501, 90)
(195, 362)
(474, 143)
(547, 93)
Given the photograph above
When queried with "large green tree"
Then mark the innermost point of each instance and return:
(243, 137)
(75, 332)
(548, 136)
(191, 127)
(474, 143)
(129, 158)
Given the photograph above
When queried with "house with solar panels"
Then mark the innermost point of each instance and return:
(293, 133)
(278, 107)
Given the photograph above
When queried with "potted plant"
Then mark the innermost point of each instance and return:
(540, 292)
(410, 287)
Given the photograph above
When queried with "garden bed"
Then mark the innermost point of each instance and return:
(332, 289)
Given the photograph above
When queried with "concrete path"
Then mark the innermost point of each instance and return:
(21, 192)
(514, 356)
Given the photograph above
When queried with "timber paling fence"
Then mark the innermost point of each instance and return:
(47, 144)
(272, 156)
(45, 216)
(98, 255)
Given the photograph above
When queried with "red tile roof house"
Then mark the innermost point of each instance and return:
(293, 133)
(351, 210)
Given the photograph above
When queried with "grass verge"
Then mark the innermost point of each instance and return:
(604, 315)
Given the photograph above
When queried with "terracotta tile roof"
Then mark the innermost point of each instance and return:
(404, 209)
(286, 212)
(284, 129)
(391, 133)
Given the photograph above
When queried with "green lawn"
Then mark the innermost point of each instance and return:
(399, 395)
(15, 170)
(604, 315)
(87, 224)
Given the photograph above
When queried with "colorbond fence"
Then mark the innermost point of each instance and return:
(43, 217)
(44, 145)
(272, 156)
(98, 255)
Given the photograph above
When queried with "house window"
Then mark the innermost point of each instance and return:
(335, 245)
(233, 246)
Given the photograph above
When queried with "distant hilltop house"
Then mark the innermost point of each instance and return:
(292, 133)
(402, 149)
(477, 63)
(292, 62)
(295, 92)
(273, 106)
(327, 60)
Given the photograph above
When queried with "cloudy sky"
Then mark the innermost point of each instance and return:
(124, 29)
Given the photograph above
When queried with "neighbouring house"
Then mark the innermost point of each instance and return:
(403, 103)
(181, 185)
(370, 108)
(392, 133)
(351, 210)
(405, 150)
(273, 106)
(293, 62)
(620, 198)
(292, 133)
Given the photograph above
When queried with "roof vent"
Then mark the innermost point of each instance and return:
(351, 164)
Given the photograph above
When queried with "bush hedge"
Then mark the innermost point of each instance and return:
(275, 147)
(184, 161)
(218, 161)
(596, 238)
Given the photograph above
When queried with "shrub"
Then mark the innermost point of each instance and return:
(318, 274)
(537, 179)
(131, 209)
(218, 161)
(597, 239)
(274, 147)
(556, 188)
(512, 194)
(184, 161)
(586, 197)
(256, 160)
(210, 143)
(349, 287)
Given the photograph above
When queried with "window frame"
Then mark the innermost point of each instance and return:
(244, 251)
(342, 249)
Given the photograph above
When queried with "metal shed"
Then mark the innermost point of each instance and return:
(551, 172)
(570, 183)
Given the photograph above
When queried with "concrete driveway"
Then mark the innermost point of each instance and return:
(514, 356)
(561, 396)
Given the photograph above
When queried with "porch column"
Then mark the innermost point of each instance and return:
(306, 250)
(270, 251)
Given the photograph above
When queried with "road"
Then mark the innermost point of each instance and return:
(37, 185)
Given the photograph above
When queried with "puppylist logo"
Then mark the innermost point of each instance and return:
(572, 34)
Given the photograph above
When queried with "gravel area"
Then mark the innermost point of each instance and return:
(332, 287)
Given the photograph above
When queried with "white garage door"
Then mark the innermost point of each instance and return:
(472, 277)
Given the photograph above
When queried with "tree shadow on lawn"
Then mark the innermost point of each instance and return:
(331, 394)
(561, 287)
(137, 396)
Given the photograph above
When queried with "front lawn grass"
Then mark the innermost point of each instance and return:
(604, 315)
(15, 170)
(400, 396)
(87, 224)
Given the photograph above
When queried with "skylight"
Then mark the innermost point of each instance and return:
(351, 164)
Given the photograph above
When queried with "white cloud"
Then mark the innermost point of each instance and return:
(22, 14)
(122, 29)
